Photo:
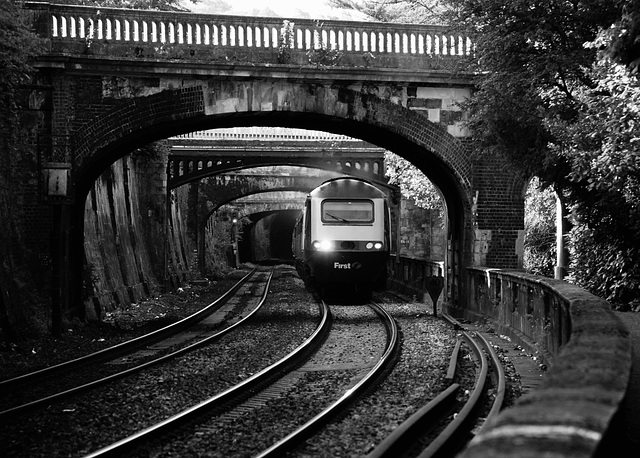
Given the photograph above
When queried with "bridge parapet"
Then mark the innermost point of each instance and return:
(409, 276)
(119, 32)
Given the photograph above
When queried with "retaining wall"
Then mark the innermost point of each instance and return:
(127, 256)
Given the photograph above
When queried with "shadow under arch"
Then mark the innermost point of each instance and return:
(136, 122)
(205, 218)
(278, 245)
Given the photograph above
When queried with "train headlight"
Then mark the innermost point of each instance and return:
(377, 246)
(369, 245)
(323, 245)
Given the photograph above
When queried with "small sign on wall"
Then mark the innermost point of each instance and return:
(56, 179)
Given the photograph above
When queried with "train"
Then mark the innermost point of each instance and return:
(341, 241)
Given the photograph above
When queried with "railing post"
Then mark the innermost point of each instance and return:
(561, 256)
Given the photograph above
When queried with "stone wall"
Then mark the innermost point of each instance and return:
(422, 232)
(127, 256)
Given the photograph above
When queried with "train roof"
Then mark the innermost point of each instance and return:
(347, 187)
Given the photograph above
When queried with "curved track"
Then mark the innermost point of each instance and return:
(383, 365)
(177, 332)
(410, 435)
(230, 396)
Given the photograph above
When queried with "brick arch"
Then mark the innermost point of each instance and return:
(241, 188)
(137, 121)
(221, 190)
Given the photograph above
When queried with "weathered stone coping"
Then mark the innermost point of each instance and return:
(572, 410)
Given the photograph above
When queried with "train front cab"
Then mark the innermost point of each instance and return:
(348, 244)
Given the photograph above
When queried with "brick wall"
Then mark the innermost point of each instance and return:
(498, 213)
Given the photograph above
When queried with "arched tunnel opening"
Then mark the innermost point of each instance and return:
(268, 237)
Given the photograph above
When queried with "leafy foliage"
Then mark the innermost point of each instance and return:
(413, 183)
(285, 42)
(17, 46)
(220, 244)
(552, 99)
(604, 267)
(530, 62)
(622, 37)
(603, 148)
(540, 230)
(407, 11)
(558, 96)
(162, 5)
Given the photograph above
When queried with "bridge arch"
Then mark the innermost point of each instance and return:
(134, 122)
(138, 121)
(237, 187)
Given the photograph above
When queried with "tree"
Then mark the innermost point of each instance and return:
(530, 61)
(407, 11)
(540, 230)
(413, 183)
(17, 46)
(162, 5)
(557, 95)
(623, 44)
(603, 148)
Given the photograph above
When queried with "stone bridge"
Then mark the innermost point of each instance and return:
(222, 189)
(203, 154)
(113, 80)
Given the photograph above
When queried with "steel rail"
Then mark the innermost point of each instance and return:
(130, 345)
(500, 381)
(498, 375)
(110, 378)
(456, 427)
(404, 437)
(388, 358)
(291, 360)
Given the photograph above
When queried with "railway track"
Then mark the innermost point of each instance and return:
(372, 377)
(52, 384)
(257, 404)
(210, 415)
(220, 401)
(456, 419)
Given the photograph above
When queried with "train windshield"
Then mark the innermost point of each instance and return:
(347, 211)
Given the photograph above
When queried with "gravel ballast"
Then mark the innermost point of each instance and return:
(290, 314)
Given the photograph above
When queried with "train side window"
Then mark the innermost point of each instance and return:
(347, 211)
(307, 223)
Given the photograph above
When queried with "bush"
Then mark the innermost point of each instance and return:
(605, 268)
(540, 230)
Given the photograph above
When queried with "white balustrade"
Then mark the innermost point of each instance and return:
(186, 29)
